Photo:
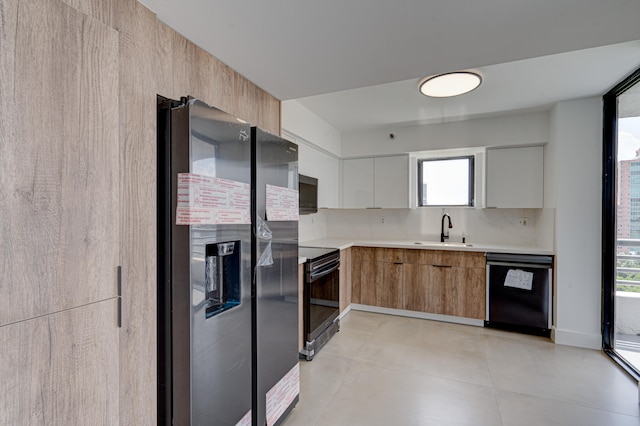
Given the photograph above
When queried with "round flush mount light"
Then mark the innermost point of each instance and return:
(449, 84)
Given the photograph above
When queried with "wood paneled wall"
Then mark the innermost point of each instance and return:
(78, 86)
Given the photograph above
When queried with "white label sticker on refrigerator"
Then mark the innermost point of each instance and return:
(282, 203)
(280, 397)
(246, 420)
(205, 200)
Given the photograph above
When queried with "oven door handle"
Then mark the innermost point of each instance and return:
(323, 272)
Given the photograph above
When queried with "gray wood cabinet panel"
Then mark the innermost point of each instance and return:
(102, 10)
(59, 160)
(61, 369)
(185, 69)
(137, 93)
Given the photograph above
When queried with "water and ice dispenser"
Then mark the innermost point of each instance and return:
(222, 277)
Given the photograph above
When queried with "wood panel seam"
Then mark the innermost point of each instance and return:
(48, 314)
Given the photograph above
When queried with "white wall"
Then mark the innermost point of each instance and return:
(517, 129)
(319, 156)
(575, 172)
(299, 121)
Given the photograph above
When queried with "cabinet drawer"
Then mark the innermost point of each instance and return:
(423, 257)
(389, 255)
(463, 259)
(380, 254)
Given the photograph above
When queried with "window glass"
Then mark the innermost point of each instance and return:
(446, 182)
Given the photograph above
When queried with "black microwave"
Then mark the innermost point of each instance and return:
(308, 190)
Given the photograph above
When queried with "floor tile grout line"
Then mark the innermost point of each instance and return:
(569, 403)
(483, 342)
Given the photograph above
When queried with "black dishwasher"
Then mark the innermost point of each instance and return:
(519, 291)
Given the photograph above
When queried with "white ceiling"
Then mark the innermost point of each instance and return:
(356, 63)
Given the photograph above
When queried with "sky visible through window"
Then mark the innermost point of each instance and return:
(628, 138)
(446, 182)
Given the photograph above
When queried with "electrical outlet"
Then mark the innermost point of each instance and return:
(523, 221)
(382, 219)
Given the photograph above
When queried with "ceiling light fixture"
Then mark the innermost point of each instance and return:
(449, 84)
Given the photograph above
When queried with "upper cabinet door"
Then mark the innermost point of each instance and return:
(515, 177)
(391, 182)
(381, 182)
(357, 183)
(325, 168)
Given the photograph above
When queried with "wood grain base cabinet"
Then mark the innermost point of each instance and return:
(424, 288)
(464, 294)
(445, 282)
(377, 277)
(345, 279)
(431, 281)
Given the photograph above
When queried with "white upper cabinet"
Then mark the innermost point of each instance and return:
(391, 182)
(357, 183)
(381, 182)
(324, 167)
(515, 177)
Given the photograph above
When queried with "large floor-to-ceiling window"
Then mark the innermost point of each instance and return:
(621, 224)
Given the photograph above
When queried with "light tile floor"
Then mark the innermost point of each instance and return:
(390, 370)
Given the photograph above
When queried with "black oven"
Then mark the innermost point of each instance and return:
(321, 301)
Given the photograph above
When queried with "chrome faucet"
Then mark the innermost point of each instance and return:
(443, 235)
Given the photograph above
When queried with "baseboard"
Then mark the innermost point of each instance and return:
(345, 312)
(414, 314)
(576, 338)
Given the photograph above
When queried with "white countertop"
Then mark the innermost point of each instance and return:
(430, 245)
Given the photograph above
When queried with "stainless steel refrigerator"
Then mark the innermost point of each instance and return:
(227, 269)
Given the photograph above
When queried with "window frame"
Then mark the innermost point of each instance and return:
(471, 182)
(609, 215)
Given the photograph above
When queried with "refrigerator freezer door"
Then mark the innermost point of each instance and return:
(220, 344)
(210, 347)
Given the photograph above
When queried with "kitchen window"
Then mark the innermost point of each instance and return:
(446, 181)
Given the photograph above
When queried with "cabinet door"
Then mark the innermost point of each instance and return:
(370, 277)
(515, 177)
(390, 287)
(357, 183)
(62, 368)
(423, 288)
(465, 292)
(59, 161)
(391, 182)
